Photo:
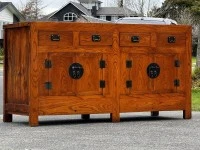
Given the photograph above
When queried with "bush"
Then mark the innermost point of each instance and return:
(1, 52)
(196, 78)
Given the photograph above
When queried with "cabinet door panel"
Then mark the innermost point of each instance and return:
(141, 83)
(165, 81)
(89, 83)
(62, 83)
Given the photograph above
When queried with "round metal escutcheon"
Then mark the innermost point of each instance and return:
(153, 70)
(76, 71)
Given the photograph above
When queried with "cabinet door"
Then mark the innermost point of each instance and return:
(62, 83)
(141, 83)
(89, 83)
(168, 73)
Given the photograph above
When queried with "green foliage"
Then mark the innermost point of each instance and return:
(195, 100)
(1, 52)
(196, 78)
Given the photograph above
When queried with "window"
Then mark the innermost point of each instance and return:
(70, 16)
(103, 17)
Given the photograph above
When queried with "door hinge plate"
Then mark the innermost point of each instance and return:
(48, 85)
(102, 84)
(48, 63)
(177, 83)
(129, 84)
(177, 63)
(102, 64)
(129, 64)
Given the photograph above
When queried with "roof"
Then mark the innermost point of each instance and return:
(89, 1)
(3, 5)
(77, 5)
(114, 11)
(93, 19)
(12, 8)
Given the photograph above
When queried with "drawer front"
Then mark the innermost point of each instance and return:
(92, 38)
(53, 38)
(171, 40)
(135, 39)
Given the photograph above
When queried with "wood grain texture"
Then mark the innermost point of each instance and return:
(187, 113)
(144, 39)
(28, 45)
(152, 102)
(105, 38)
(74, 105)
(164, 83)
(34, 78)
(62, 83)
(6, 95)
(66, 39)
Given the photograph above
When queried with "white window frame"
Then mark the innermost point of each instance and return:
(70, 16)
(103, 17)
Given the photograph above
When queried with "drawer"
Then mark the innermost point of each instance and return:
(171, 40)
(135, 39)
(54, 38)
(96, 38)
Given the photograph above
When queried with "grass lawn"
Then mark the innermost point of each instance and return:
(196, 100)
(193, 59)
(1, 66)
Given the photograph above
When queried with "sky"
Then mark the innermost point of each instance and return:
(53, 5)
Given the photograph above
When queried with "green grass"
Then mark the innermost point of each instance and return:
(193, 59)
(196, 100)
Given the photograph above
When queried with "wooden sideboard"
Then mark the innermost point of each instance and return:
(54, 68)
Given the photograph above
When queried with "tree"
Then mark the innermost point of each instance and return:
(32, 9)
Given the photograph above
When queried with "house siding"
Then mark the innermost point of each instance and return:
(69, 8)
(6, 16)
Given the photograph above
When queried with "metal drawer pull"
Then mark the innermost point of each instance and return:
(135, 39)
(171, 39)
(55, 37)
(96, 38)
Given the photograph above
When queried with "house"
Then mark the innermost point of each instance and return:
(8, 14)
(85, 9)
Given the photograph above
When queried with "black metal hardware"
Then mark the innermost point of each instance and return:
(55, 37)
(177, 63)
(48, 85)
(135, 39)
(129, 84)
(102, 84)
(96, 38)
(48, 63)
(129, 64)
(153, 70)
(76, 71)
(176, 82)
(102, 64)
(171, 39)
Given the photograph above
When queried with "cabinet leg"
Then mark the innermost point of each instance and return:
(115, 117)
(187, 114)
(33, 120)
(155, 113)
(7, 117)
(85, 116)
